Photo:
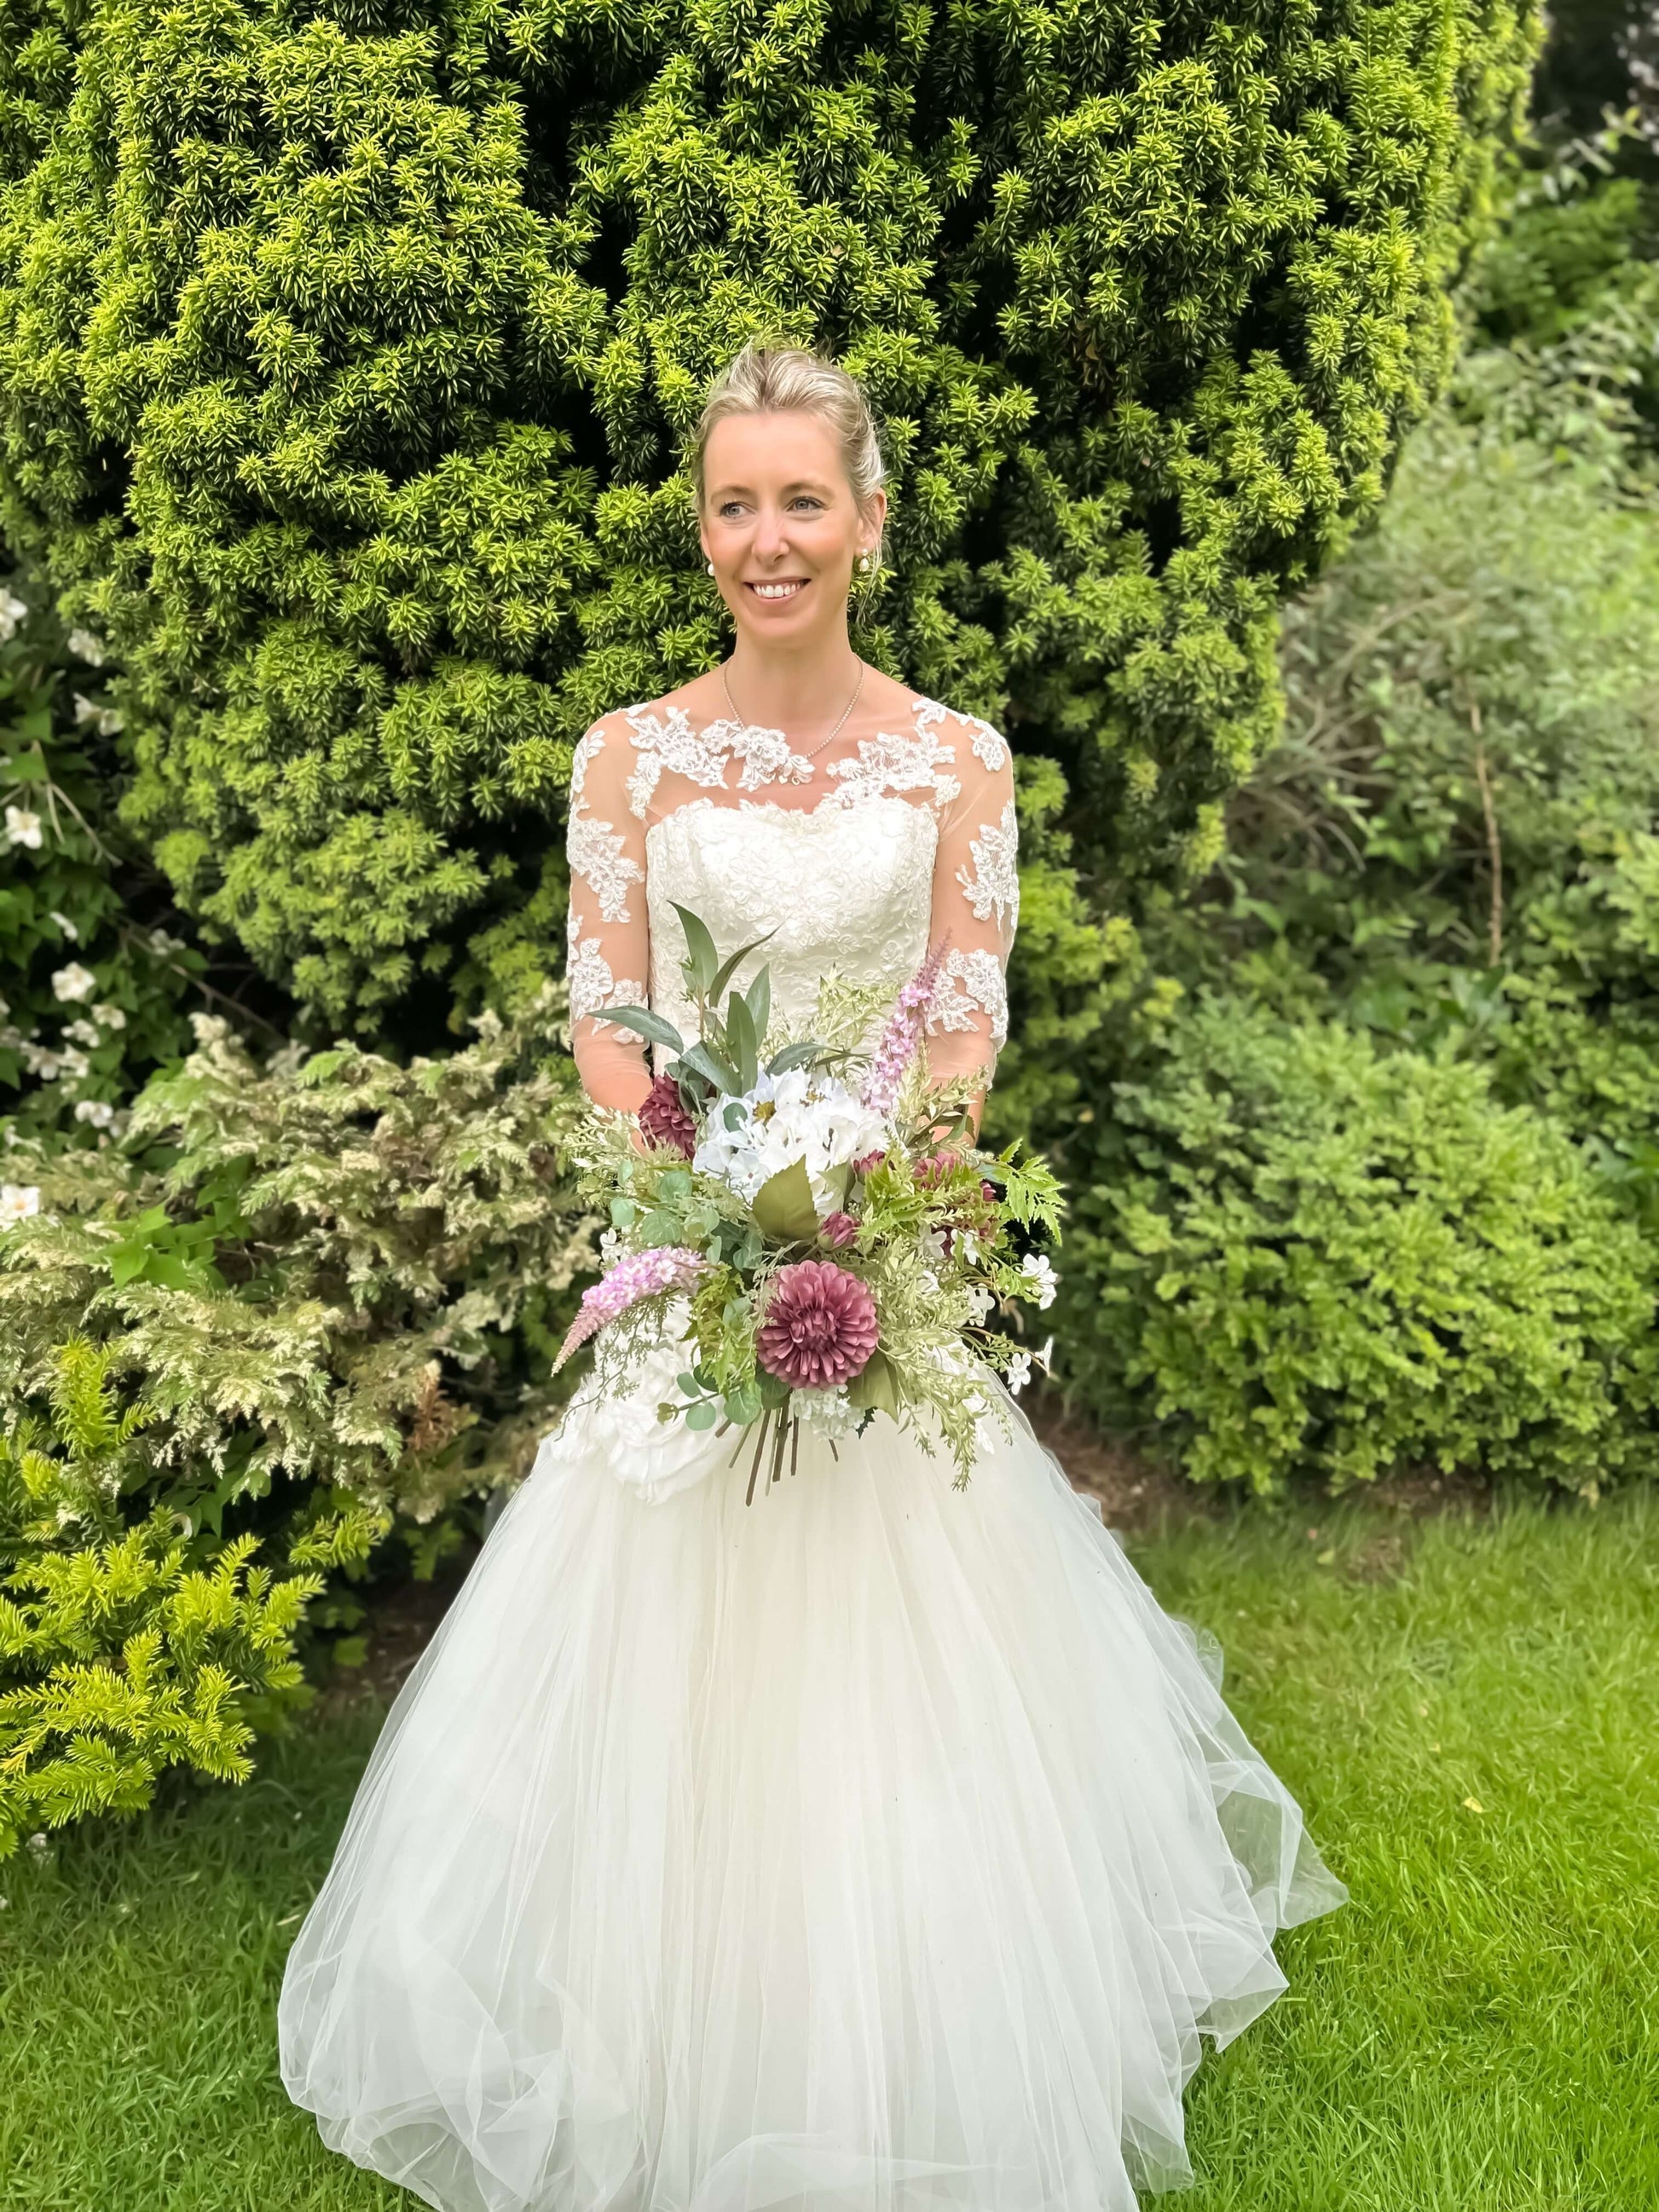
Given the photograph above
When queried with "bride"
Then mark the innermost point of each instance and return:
(876, 1846)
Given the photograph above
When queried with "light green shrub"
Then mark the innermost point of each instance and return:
(1303, 1255)
(346, 356)
(120, 1657)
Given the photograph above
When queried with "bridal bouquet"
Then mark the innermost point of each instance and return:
(814, 1224)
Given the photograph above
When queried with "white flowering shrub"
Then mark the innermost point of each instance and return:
(94, 991)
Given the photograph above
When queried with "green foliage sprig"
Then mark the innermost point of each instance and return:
(126, 1650)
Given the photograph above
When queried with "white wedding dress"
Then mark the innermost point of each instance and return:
(877, 1846)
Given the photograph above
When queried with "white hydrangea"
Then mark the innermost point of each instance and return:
(17, 1201)
(23, 827)
(799, 1116)
(826, 1413)
(74, 982)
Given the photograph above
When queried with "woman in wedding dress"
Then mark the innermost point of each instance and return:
(879, 1845)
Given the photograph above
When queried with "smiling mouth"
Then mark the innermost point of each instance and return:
(773, 594)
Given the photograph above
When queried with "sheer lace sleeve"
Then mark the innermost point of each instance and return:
(976, 905)
(609, 934)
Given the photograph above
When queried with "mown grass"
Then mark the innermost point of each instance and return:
(1475, 2032)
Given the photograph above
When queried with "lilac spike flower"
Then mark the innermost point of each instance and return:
(896, 1046)
(642, 1275)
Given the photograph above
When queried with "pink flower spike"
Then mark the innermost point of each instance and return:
(896, 1046)
(642, 1275)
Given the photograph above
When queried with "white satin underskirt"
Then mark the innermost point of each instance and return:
(874, 1847)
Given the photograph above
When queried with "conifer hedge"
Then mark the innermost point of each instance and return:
(347, 351)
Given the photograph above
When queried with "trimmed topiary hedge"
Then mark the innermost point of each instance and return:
(346, 353)
(1311, 1257)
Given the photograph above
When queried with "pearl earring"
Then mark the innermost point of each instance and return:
(710, 566)
(864, 564)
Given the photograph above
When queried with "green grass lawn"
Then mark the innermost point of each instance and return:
(1476, 2031)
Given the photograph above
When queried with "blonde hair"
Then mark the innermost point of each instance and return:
(766, 379)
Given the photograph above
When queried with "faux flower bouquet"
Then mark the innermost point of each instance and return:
(818, 1221)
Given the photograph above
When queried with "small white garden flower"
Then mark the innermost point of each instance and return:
(73, 1062)
(97, 1111)
(66, 925)
(83, 1032)
(17, 1201)
(826, 1413)
(85, 645)
(107, 720)
(980, 1302)
(74, 982)
(23, 827)
(161, 944)
(1045, 1358)
(1039, 1268)
(109, 1017)
(12, 611)
(1019, 1372)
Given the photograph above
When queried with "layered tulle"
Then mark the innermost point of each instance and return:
(876, 1846)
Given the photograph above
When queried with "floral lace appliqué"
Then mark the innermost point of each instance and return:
(888, 763)
(701, 755)
(593, 987)
(596, 856)
(983, 985)
(992, 885)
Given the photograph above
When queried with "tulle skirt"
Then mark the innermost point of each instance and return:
(876, 1846)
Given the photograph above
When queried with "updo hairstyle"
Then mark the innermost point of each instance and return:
(788, 380)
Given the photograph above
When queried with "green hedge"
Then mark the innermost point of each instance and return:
(1308, 1256)
(345, 359)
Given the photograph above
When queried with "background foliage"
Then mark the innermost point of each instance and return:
(345, 361)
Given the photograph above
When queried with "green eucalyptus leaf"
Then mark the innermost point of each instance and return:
(648, 1024)
(728, 969)
(702, 1415)
(702, 958)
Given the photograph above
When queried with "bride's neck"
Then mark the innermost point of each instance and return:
(794, 690)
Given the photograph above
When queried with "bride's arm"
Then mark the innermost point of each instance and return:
(976, 909)
(609, 934)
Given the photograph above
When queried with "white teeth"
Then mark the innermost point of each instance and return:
(776, 591)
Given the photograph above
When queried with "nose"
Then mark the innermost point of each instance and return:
(771, 540)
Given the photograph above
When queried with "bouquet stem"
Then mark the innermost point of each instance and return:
(760, 1446)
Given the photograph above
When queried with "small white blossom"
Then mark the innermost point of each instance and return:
(161, 944)
(1039, 1268)
(73, 1062)
(66, 925)
(83, 1032)
(74, 982)
(611, 1249)
(85, 645)
(12, 611)
(41, 1061)
(1045, 1358)
(826, 1413)
(41, 1844)
(97, 1111)
(934, 1246)
(18, 1200)
(980, 1302)
(23, 827)
(107, 720)
(1019, 1372)
(109, 1017)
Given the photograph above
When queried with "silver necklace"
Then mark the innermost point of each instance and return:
(822, 742)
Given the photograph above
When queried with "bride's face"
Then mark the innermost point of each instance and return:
(780, 525)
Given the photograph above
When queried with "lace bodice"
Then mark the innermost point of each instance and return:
(856, 863)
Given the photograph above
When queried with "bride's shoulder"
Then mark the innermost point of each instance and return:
(967, 735)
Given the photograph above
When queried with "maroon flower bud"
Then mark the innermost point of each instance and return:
(838, 1229)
